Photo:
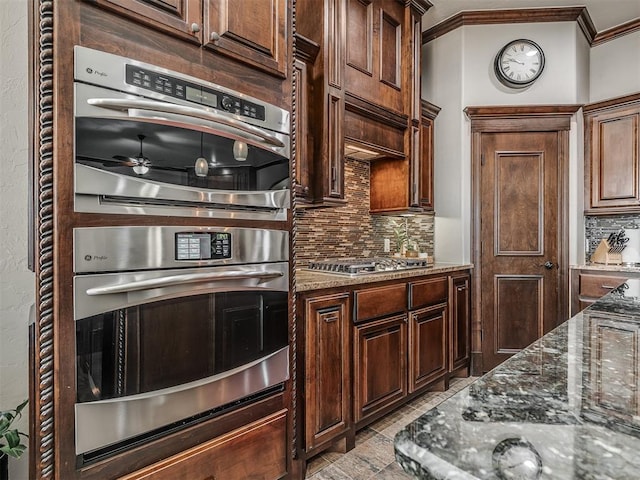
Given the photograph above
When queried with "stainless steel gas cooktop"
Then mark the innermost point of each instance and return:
(365, 266)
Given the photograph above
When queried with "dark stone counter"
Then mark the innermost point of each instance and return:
(566, 407)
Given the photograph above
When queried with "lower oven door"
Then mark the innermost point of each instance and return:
(162, 349)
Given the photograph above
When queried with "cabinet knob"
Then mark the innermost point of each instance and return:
(215, 36)
(195, 28)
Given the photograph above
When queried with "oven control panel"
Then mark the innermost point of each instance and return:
(192, 92)
(203, 245)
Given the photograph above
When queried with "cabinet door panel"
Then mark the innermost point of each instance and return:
(428, 340)
(258, 450)
(250, 31)
(327, 377)
(380, 350)
(460, 332)
(380, 301)
(175, 17)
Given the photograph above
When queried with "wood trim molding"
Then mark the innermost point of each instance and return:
(520, 15)
(521, 118)
(360, 106)
(611, 103)
(616, 32)
(42, 439)
(429, 110)
(305, 49)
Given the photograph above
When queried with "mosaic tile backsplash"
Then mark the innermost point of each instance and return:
(349, 230)
(599, 227)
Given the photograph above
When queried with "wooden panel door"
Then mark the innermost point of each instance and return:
(614, 151)
(428, 343)
(380, 365)
(327, 369)
(519, 235)
(251, 31)
(178, 18)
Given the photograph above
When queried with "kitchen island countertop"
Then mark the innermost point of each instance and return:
(566, 407)
(307, 280)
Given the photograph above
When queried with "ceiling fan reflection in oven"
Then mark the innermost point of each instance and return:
(153, 141)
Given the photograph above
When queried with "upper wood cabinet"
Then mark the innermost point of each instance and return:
(321, 23)
(612, 156)
(425, 174)
(249, 31)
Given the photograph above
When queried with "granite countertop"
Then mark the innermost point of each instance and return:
(315, 280)
(607, 268)
(566, 407)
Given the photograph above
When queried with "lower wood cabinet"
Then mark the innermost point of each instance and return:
(587, 286)
(428, 344)
(327, 369)
(460, 323)
(371, 347)
(257, 451)
(379, 365)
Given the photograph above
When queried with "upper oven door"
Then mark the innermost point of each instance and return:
(148, 156)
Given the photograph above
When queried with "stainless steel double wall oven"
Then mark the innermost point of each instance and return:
(174, 324)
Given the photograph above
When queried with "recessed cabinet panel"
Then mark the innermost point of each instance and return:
(251, 31)
(390, 59)
(360, 36)
(327, 369)
(380, 352)
(460, 321)
(380, 301)
(428, 343)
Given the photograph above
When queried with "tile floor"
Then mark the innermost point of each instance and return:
(373, 457)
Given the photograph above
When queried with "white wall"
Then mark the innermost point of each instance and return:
(457, 73)
(615, 68)
(17, 283)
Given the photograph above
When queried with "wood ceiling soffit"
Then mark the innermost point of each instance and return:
(616, 32)
(520, 15)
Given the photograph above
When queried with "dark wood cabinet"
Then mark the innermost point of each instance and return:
(428, 346)
(460, 324)
(612, 156)
(327, 369)
(252, 32)
(426, 189)
(587, 286)
(380, 365)
(257, 450)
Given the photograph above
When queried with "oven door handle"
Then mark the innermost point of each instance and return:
(155, 107)
(181, 279)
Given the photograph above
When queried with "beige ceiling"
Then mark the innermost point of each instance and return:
(605, 14)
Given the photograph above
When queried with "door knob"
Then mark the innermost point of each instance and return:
(548, 265)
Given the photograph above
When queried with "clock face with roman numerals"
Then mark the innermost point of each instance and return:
(519, 63)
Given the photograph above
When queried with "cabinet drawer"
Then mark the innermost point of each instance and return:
(598, 285)
(428, 292)
(378, 302)
(257, 451)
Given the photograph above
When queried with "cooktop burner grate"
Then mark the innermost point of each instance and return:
(363, 266)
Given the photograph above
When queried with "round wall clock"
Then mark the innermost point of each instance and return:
(519, 63)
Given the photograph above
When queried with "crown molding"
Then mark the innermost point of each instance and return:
(616, 32)
(519, 15)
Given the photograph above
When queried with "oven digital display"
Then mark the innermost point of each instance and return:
(203, 246)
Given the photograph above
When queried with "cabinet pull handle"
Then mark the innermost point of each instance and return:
(215, 36)
(195, 28)
(608, 287)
